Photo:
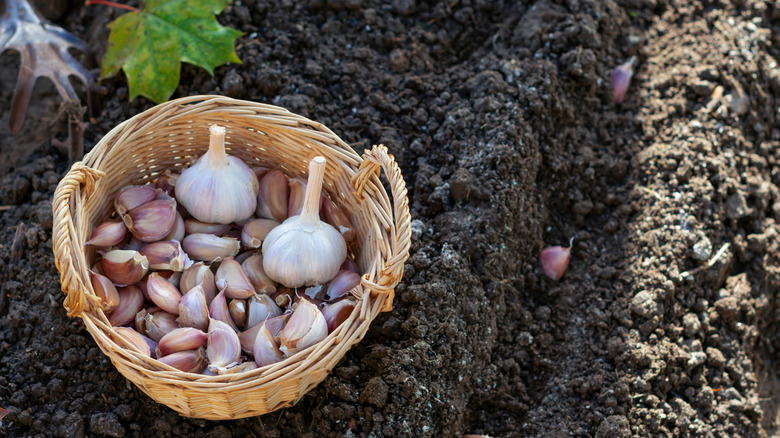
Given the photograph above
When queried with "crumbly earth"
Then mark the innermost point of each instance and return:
(501, 116)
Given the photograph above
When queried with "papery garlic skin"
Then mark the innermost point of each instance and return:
(303, 250)
(218, 188)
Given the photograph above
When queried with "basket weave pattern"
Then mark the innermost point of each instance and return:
(170, 136)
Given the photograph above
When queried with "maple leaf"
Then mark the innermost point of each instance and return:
(149, 44)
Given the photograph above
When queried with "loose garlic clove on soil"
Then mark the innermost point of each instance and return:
(621, 79)
(108, 234)
(125, 267)
(303, 250)
(210, 248)
(218, 188)
(555, 259)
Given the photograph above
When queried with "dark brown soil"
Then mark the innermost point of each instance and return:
(501, 116)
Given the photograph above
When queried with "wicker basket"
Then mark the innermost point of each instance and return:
(169, 136)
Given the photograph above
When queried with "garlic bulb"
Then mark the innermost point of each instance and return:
(218, 188)
(303, 250)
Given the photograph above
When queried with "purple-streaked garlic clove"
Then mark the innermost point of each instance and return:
(163, 293)
(253, 233)
(342, 284)
(131, 301)
(265, 349)
(199, 274)
(259, 308)
(260, 171)
(253, 267)
(153, 220)
(336, 313)
(621, 79)
(194, 226)
(555, 259)
(340, 221)
(125, 267)
(166, 255)
(135, 339)
(131, 197)
(193, 309)
(306, 327)
(105, 290)
(237, 311)
(223, 347)
(295, 201)
(158, 324)
(218, 309)
(274, 326)
(208, 247)
(108, 234)
(350, 265)
(231, 278)
(273, 196)
(177, 232)
(189, 361)
(180, 339)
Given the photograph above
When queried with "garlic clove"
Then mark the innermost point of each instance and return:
(159, 323)
(350, 265)
(166, 255)
(107, 234)
(342, 284)
(265, 349)
(194, 226)
(218, 188)
(199, 274)
(253, 267)
(178, 231)
(105, 290)
(223, 347)
(131, 197)
(189, 361)
(153, 220)
(295, 202)
(303, 250)
(133, 244)
(125, 267)
(621, 79)
(218, 309)
(253, 233)
(210, 248)
(306, 327)
(336, 313)
(259, 308)
(135, 339)
(274, 326)
(193, 309)
(338, 219)
(172, 277)
(180, 339)
(140, 322)
(163, 293)
(260, 171)
(555, 259)
(131, 301)
(237, 311)
(231, 278)
(273, 196)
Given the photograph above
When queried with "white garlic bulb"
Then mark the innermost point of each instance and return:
(218, 188)
(303, 250)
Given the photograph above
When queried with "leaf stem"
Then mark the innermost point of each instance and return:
(109, 3)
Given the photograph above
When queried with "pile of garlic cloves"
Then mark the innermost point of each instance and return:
(188, 274)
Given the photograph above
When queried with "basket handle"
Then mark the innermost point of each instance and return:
(80, 178)
(401, 234)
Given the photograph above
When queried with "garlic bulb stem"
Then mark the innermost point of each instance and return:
(310, 216)
(217, 156)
